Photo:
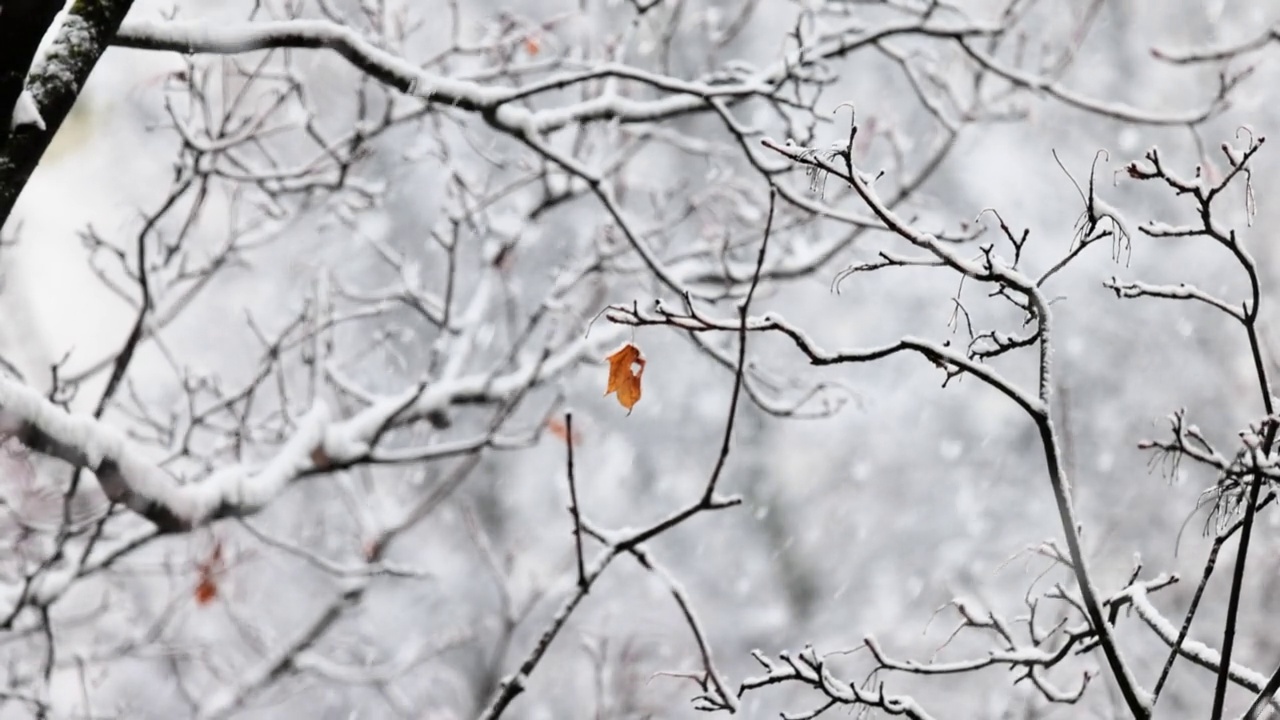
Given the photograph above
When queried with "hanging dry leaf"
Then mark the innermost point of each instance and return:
(208, 570)
(626, 365)
(206, 590)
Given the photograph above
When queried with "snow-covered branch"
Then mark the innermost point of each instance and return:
(317, 444)
(1137, 595)
(809, 668)
(499, 103)
(128, 477)
(1181, 291)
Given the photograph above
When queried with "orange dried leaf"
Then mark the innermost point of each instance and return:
(532, 44)
(626, 365)
(206, 590)
(208, 570)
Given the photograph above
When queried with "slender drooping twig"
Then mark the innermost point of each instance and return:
(573, 504)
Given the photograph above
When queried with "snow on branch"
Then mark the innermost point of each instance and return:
(192, 37)
(351, 440)
(500, 103)
(316, 445)
(234, 38)
(129, 478)
(809, 668)
(1137, 595)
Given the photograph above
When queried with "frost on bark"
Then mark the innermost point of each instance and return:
(55, 82)
(22, 24)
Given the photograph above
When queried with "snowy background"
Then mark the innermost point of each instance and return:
(860, 522)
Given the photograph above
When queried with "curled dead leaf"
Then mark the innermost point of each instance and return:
(208, 572)
(206, 591)
(626, 365)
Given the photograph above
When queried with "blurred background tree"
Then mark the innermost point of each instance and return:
(297, 296)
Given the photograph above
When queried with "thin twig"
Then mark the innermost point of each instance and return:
(743, 308)
(573, 505)
(1212, 560)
